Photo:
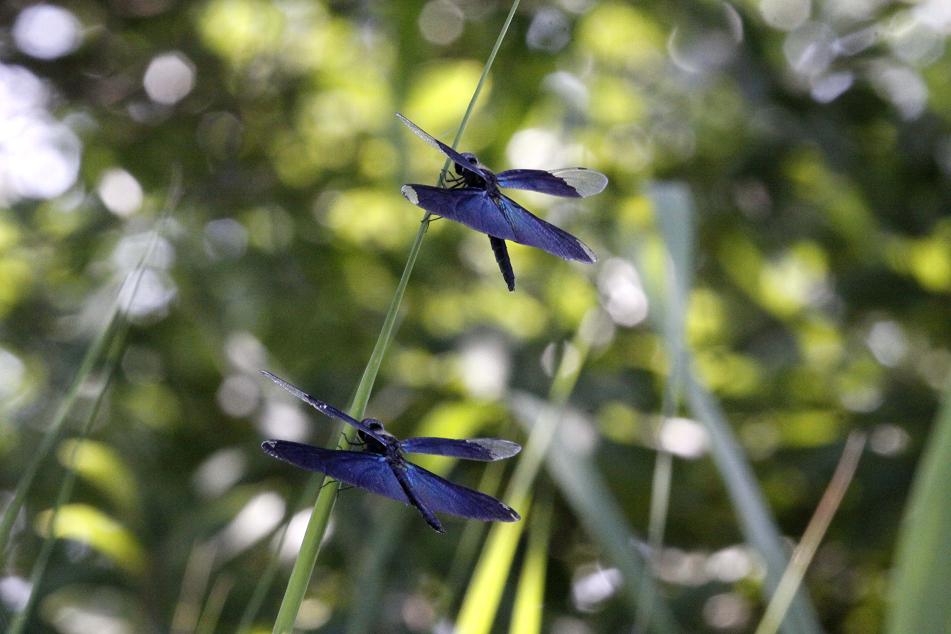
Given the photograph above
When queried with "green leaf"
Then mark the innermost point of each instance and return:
(919, 597)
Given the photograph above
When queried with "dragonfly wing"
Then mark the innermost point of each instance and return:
(470, 206)
(484, 449)
(456, 157)
(322, 407)
(366, 470)
(571, 182)
(531, 230)
(442, 496)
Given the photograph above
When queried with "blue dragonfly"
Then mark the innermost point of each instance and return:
(382, 469)
(474, 200)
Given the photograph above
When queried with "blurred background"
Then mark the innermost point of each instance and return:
(809, 147)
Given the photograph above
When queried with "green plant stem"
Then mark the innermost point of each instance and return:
(317, 525)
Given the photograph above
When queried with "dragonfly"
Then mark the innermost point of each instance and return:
(381, 467)
(474, 200)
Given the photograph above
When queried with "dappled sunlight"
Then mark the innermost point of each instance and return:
(251, 148)
(39, 155)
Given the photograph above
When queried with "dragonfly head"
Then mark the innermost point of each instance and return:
(473, 161)
(469, 178)
(376, 426)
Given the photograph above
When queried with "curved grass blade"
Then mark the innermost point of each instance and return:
(806, 550)
(211, 615)
(578, 482)
(484, 593)
(582, 486)
(756, 522)
(317, 525)
(115, 329)
(65, 492)
(919, 596)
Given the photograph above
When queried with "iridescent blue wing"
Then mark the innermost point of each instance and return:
(485, 449)
(531, 230)
(360, 468)
(322, 407)
(498, 216)
(571, 182)
(458, 158)
(470, 206)
(442, 496)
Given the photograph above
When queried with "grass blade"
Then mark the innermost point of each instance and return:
(815, 531)
(756, 522)
(482, 597)
(208, 624)
(530, 594)
(65, 492)
(116, 326)
(919, 596)
(317, 524)
(198, 568)
(668, 292)
(585, 490)
(673, 209)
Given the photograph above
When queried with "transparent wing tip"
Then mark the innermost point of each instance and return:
(499, 449)
(409, 193)
(584, 181)
(592, 257)
(296, 391)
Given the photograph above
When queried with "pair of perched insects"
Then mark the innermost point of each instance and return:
(473, 199)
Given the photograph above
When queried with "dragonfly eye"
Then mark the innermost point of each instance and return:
(374, 424)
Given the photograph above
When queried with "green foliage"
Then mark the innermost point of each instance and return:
(812, 142)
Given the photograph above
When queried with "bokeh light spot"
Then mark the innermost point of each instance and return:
(169, 78)
(46, 31)
(785, 14)
(441, 22)
(120, 192)
(549, 31)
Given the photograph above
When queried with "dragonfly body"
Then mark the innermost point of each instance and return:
(382, 467)
(475, 200)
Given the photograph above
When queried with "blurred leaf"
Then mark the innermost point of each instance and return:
(104, 468)
(90, 526)
(918, 597)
